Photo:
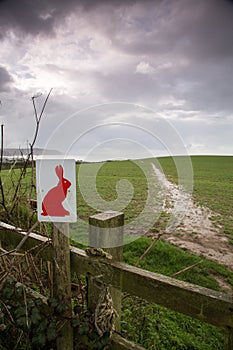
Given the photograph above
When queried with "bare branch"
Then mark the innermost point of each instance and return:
(155, 240)
(45, 103)
(3, 202)
(186, 269)
(3, 278)
(2, 134)
(1, 162)
(34, 107)
(39, 119)
(30, 154)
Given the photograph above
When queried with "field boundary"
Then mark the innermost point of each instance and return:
(204, 304)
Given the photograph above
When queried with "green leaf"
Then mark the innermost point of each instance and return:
(8, 292)
(75, 322)
(51, 333)
(38, 302)
(19, 290)
(52, 302)
(43, 325)
(20, 311)
(61, 307)
(21, 322)
(30, 304)
(39, 340)
(83, 329)
(35, 316)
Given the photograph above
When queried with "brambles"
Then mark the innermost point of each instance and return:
(28, 320)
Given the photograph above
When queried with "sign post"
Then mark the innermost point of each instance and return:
(56, 190)
(56, 198)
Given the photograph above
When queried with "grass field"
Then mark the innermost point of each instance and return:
(109, 175)
(152, 326)
(161, 328)
(213, 185)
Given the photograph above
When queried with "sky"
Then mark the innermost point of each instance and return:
(130, 79)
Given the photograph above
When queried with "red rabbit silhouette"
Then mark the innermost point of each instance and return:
(52, 202)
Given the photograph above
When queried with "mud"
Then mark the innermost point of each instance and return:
(195, 231)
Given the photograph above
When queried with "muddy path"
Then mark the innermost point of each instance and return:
(196, 232)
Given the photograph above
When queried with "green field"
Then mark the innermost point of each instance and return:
(152, 326)
(108, 176)
(162, 329)
(213, 185)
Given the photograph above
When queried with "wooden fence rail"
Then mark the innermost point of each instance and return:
(201, 303)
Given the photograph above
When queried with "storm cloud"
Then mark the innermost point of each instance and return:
(175, 57)
(5, 79)
(41, 16)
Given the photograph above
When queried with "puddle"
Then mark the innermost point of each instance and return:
(195, 231)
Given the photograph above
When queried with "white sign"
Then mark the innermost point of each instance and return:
(56, 190)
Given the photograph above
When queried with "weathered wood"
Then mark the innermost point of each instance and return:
(230, 339)
(106, 231)
(13, 236)
(62, 281)
(119, 343)
(202, 303)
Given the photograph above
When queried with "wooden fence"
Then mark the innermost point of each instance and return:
(206, 305)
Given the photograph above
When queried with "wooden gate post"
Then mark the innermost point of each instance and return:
(62, 281)
(106, 231)
(230, 339)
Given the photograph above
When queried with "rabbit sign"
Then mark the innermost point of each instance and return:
(56, 190)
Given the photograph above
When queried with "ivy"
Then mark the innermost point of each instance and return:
(86, 335)
(7, 293)
(38, 324)
(32, 325)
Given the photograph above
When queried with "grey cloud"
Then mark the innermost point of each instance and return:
(197, 30)
(5, 79)
(33, 17)
(40, 16)
(206, 86)
(211, 37)
(200, 29)
(188, 44)
(25, 16)
(208, 134)
(125, 85)
(202, 86)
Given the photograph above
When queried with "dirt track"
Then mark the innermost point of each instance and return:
(196, 232)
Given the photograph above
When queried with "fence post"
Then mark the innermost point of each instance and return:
(106, 231)
(62, 281)
(230, 339)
